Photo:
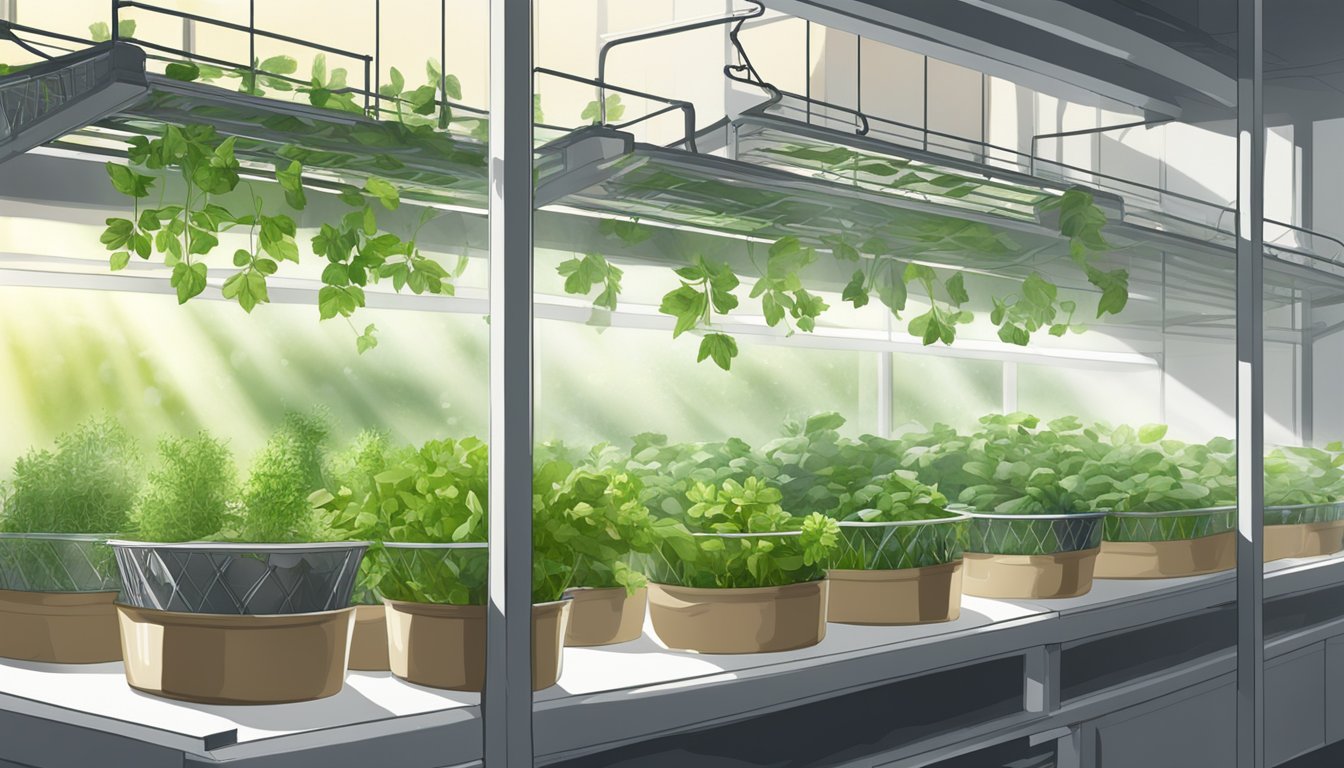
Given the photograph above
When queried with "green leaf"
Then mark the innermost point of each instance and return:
(290, 179)
(100, 32)
(719, 347)
(384, 191)
(188, 279)
(118, 234)
(854, 291)
(119, 260)
(368, 340)
(279, 65)
(956, 289)
(182, 70)
(1114, 287)
(128, 182)
(1151, 433)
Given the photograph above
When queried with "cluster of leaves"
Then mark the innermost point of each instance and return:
(1299, 475)
(273, 502)
(708, 287)
(183, 233)
(588, 521)
(191, 494)
(714, 557)
(432, 494)
(87, 483)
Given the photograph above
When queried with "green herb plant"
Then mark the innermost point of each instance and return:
(274, 499)
(87, 483)
(192, 492)
(717, 559)
(897, 497)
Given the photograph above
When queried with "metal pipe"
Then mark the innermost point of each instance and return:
(756, 12)
(241, 28)
(687, 107)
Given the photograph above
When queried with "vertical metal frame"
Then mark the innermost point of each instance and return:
(1250, 726)
(507, 701)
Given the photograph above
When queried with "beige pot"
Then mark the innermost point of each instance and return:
(748, 620)
(605, 616)
(906, 596)
(1029, 577)
(59, 627)
(368, 642)
(1167, 559)
(443, 646)
(1303, 540)
(210, 658)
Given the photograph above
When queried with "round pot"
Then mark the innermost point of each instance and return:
(739, 620)
(368, 641)
(906, 596)
(1031, 556)
(605, 616)
(1303, 530)
(238, 579)
(897, 572)
(1163, 545)
(443, 646)
(1166, 559)
(223, 623)
(59, 627)
(1029, 577)
(57, 598)
(233, 659)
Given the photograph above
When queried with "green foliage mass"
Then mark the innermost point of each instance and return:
(274, 499)
(189, 495)
(87, 483)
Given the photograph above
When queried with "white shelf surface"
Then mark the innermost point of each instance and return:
(637, 690)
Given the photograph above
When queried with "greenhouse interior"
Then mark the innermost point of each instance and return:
(671, 383)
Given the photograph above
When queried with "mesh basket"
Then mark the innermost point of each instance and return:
(1301, 514)
(901, 544)
(711, 570)
(238, 579)
(1175, 525)
(1033, 534)
(57, 562)
(445, 574)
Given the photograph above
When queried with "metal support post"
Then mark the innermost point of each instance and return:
(507, 702)
(1250, 726)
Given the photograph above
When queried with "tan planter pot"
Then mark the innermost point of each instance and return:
(905, 596)
(1029, 577)
(1166, 559)
(59, 627)
(605, 616)
(443, 646)
(749, 620)
(225, 659)
(1303, 540)
(368, 642)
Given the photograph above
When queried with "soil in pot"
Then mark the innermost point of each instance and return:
(1303, 540)
(739, 620)
(1167, 559)
(222, 659)
(904, 596)
(443, 646)
(59, 627)
(605, 616)
(1029, 577)
(368, 641)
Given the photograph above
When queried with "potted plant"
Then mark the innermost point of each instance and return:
(899, 557)
(1032, 534)
(254, 612)
(1172, 505)
(749, 579)
(1304, 498)
(58, 578)
(434, 584)
(590, 521)
(353, 506)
